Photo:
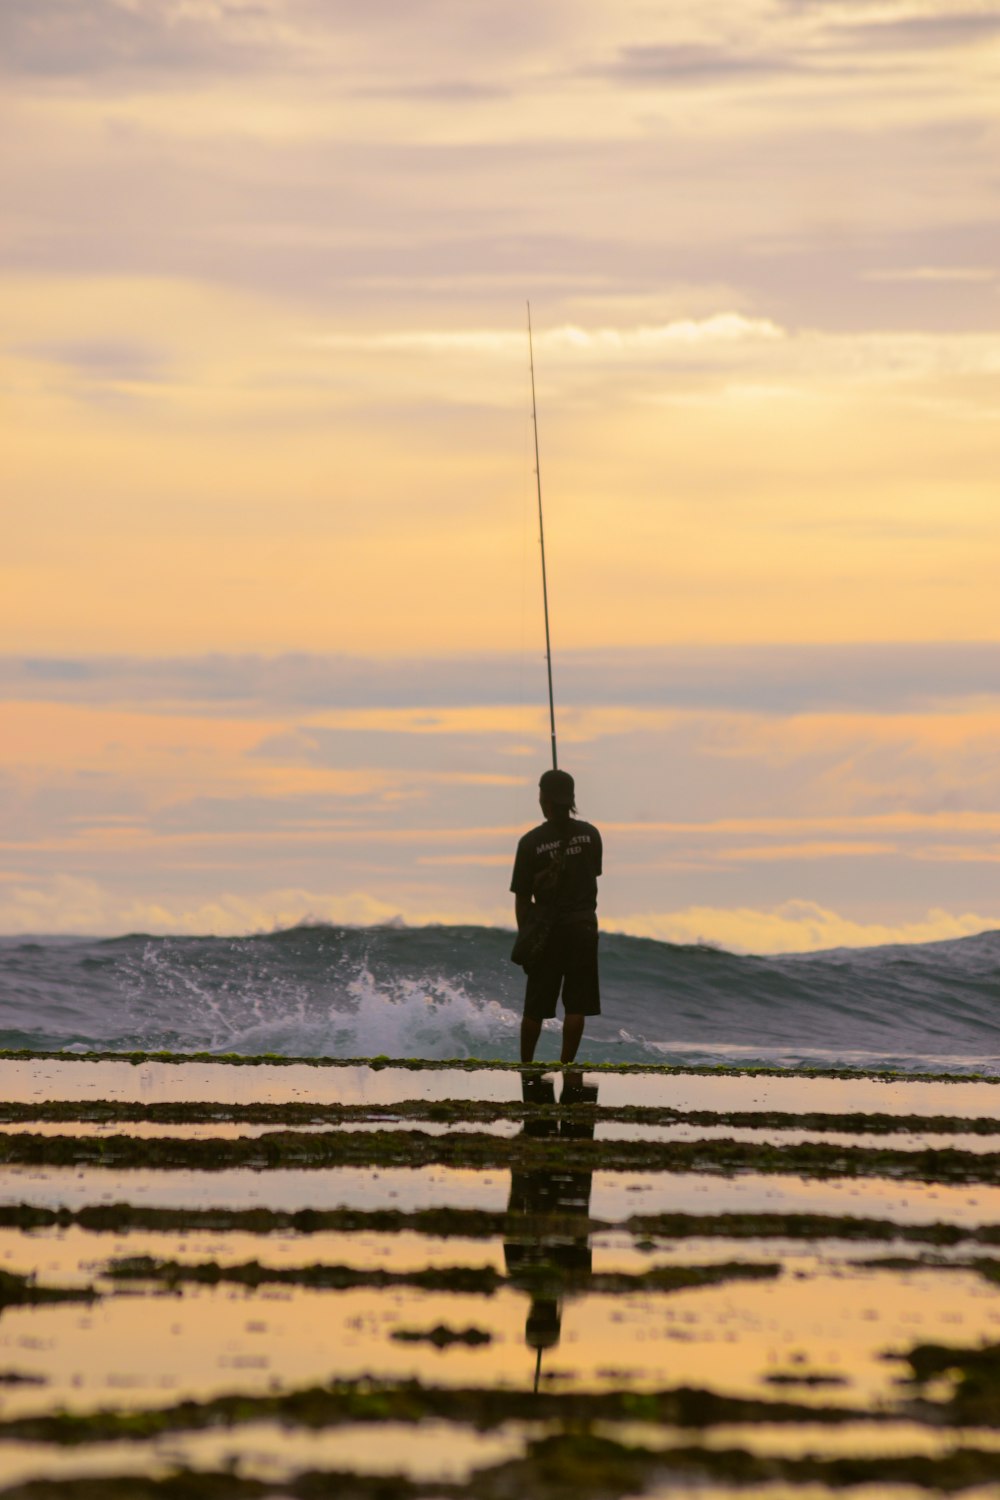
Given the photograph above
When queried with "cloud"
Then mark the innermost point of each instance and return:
(65, 904)
(186, 813)
(398, 747)
(85, 38)
(780, 52)
(69, 904)
(890, 677)
(653, 65)
(797, 927)
(972, 275)
(306, 181)
(724, 356)
(720, 329)
(164, 41)
(922, 31)
(103, 360)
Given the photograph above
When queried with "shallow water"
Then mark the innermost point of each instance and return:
(604, 1130)
(441, 1452)
(838, 1321)
(37, 1079)
(814, 1331)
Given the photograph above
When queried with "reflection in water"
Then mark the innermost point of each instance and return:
(547, 1243)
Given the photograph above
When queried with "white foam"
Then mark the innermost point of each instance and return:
(414, 1018)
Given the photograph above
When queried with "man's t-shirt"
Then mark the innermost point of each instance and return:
(577, 891)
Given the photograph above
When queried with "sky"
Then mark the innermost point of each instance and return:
(271, 642)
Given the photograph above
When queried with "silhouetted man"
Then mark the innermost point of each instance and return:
(556, 869)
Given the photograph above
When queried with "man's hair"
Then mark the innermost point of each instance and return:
(558, 788)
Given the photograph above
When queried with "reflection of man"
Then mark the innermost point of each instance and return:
(542, 1257)
(556, 869)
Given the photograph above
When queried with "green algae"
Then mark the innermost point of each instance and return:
(985, 1266)
(473, 1223)
(568, 1464)
(556, 1466)
(24, 1291)
(476, 1064)
(125, 1218)
(477, 1280)
(281, 1149)
(566, 1467)
(974, 1378)
(459, 1111)
(569, 1459)
(806, 1226)
(411, 1402)
(443, 1337)
(183, 1485)
(474, 1280)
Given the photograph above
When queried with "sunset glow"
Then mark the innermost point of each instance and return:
(269, 585)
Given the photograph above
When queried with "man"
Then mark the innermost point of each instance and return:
(557, 866)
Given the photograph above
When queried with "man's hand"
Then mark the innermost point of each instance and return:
(522, 910)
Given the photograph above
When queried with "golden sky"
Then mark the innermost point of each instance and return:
(263, 369)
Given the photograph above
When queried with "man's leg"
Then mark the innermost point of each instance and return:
(541, 997)
(581, 994)
(531, 1030)
(573, 1025)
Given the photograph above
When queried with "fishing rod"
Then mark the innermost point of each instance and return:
(541, 539)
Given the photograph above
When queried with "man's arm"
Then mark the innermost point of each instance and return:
(520, 884)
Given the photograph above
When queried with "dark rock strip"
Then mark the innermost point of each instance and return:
(410, 1402)
(24, 1291)
(110, 1111)
(478, 1065)
(562, 1466)
(482, 1280)
(477, 1152)
(470, 1223)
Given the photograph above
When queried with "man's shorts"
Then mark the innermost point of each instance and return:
(570, 965)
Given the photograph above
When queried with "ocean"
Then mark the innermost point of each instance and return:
(451, 992)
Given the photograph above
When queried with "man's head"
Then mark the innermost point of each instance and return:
(557, 794)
